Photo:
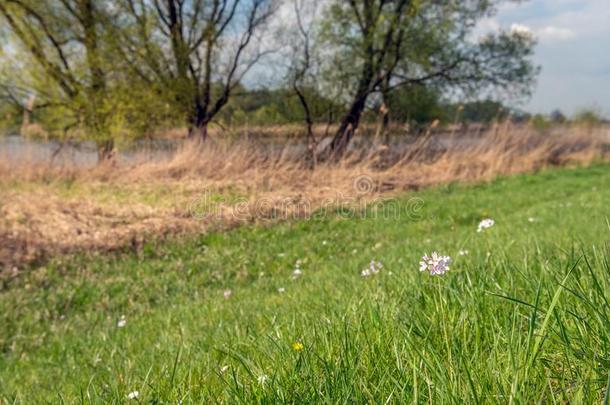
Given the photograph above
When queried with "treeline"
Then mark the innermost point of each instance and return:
(105, 69)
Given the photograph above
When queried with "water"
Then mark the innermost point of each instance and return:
(15, 148)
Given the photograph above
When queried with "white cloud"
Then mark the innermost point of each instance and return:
(573, 51)
(554, 34)
(521, 30)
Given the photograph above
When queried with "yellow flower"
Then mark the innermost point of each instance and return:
(297, 346)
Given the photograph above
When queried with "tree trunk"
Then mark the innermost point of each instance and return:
(347, 128)
(385, 124)
(312, 146)
(105, 151)
(351, 120)
(198, 124)
(202, 129)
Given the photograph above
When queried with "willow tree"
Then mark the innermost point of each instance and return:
(381, 45)
(63, 39)
(196, 52)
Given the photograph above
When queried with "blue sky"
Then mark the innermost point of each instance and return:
(573, 51)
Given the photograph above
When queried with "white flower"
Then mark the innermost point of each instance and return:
(531, 219)
(374, 268)
(297, 273)
(227, 294)
(281, 290)
(133, 395)
(463, 252)
(262, 379)
(324, 243)
(435, 264)
(122, 322)
(485, 224)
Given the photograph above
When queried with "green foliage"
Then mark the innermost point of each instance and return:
(415, 104)
(523, 317)
(10, 118)
(483, 111)
(275, 106)
(589, 117)
(540, 122)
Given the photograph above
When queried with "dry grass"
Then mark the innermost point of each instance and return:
(48, 210)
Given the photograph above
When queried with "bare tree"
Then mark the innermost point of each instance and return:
(301, 73)
(198, 51)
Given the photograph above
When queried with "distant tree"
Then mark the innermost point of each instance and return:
(417, 104)
(483, 111)
(520, 116)
(285, 105)
(540, 122)
(401, 42)
(558, 117)
(589, 117)
(196, 51)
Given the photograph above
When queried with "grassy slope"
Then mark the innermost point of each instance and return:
(399, 336)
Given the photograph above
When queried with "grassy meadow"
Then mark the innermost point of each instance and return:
(522, 316)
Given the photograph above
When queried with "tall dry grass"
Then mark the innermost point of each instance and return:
(47, 209)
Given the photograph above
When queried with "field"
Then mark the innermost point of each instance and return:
(522, 316)
(46, 210)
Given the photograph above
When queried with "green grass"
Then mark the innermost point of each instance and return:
(523, 318)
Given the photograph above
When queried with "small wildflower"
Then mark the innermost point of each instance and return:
(324, 243)
(262, 379)
(485, 224)
(374, 268)
(297, 346)
(227, 294)
(297, 273)
(463, 252)
(133, 395)
(435, 264)
(281, 290)
(122, 322)
(531, 219)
